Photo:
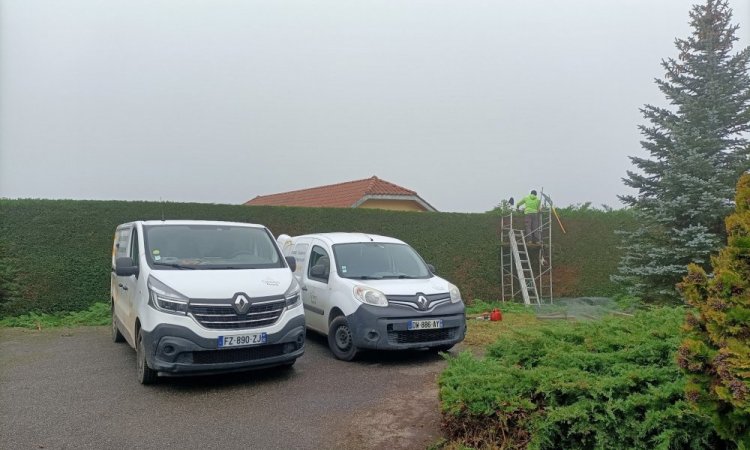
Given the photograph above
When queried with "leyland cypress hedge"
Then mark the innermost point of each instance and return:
(55, 254)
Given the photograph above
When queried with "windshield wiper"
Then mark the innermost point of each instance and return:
(366, 277)
(176, 266)
(400, 276)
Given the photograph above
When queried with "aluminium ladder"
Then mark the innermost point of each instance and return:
(523, 266)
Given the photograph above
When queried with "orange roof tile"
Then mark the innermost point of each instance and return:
(340, 195)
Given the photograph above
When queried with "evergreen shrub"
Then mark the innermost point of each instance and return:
(590, 385)
(716, 351)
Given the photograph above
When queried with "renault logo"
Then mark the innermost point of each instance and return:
(241, 303)
(422, 302)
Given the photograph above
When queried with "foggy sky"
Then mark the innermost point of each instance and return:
(467, 102)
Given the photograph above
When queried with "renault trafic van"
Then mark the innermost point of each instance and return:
(373, 292)
(197, 297)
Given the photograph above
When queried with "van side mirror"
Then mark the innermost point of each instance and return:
(125, 267)
(431, 267)
(292, 261)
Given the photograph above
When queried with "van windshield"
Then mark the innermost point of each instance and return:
(376, 260)
(206, 247)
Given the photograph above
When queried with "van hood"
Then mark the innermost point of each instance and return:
(434, 285)
(223, 284)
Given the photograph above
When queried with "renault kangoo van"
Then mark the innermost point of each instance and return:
(364, 291)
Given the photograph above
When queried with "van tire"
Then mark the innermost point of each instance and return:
(340, 339)
(117, 337)
(145, 374)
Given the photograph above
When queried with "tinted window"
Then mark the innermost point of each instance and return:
(375, 260)
(210, 247)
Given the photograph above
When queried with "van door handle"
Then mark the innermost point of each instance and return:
(304, 288)
(124, 288)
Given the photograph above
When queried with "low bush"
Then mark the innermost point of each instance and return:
(607, 384)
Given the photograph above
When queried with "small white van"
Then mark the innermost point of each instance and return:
(373, 292)
(197, 297)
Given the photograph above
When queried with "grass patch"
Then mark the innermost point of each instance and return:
(481, 333)
(95, 315)
(478, 306)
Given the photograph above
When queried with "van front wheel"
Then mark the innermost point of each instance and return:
(146, 375)
(340, 339)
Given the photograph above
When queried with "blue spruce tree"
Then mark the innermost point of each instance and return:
(698, 148)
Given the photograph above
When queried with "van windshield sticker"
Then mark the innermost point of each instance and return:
(155, 251)
(343, 269)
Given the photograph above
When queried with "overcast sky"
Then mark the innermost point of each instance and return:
(467, 102)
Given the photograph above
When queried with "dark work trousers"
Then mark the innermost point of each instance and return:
(533, 232)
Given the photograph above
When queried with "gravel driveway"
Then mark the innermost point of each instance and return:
(74, 388)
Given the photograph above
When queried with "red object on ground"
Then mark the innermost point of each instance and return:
(496, 315)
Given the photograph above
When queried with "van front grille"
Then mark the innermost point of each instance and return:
(234, 355)
(421, 336)
(224, 317)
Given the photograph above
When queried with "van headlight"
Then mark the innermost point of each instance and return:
(165, 299)
(455, 294)
(292, 295)
(370, 296)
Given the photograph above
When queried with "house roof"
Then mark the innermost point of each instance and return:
(341, 195)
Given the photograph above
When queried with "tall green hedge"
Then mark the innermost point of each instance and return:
(55, 254)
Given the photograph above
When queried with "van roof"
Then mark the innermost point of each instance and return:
(195, 222)
(348, 238)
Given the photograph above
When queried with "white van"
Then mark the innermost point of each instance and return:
(195, 297)
(373, 292)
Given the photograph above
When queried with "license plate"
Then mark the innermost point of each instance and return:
(241, 340)
(424, 324)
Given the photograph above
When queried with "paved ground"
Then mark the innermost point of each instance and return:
(74, 388)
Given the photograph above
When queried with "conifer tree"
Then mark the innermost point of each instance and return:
(716, 351)
(698, 148)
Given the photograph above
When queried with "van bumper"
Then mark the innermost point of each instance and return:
(386, 328)
(173, 350)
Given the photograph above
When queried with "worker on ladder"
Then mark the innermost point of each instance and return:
(531, 204)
